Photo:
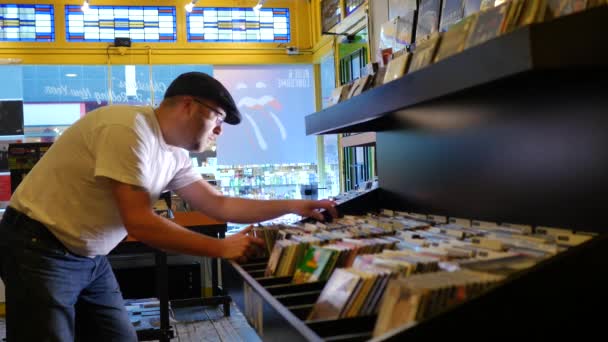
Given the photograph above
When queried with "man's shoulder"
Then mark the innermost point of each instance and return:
(120, 111)
(121, 115)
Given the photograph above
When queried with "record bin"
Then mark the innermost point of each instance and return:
(278, 310)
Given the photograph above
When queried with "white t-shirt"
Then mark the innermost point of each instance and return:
(68, 190)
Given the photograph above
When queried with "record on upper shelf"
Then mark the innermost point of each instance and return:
(396, 68)
(513, 15)
(354, 88)
(558, 8)
(339, 94)
(451, 13)
(428, 19)
(424, 53)
(364, 83)
(404, 36)
(471, 7)
(489, 25)
(487, 4)
(398, 8)
(388, 34)
(532, 12)
(453, 41)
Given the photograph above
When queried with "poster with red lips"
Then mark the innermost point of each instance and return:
(273, 101)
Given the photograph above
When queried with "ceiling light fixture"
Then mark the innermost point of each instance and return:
(85, 6)
(257, 7)
(190, 6)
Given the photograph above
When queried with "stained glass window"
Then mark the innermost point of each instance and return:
(217, 24)
(32, 23)
(104, 23)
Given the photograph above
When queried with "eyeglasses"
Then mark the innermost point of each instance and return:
(219, 117)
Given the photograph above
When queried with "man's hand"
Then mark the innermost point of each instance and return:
(239, 246)
(308, 208)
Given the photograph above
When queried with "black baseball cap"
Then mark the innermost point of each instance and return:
(201, 85)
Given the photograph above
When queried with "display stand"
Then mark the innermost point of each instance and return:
(511, 131)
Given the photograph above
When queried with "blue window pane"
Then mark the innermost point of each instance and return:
(214, 24)
(27, 23)
(104, 23)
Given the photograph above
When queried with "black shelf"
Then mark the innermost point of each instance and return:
(570, 42)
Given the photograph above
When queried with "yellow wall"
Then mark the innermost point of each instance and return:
(305, 35)
(181, 52)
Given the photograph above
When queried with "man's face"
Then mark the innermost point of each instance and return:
(205, 124)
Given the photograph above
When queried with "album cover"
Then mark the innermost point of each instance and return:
(396, 68)
(532, 12)
(488, 25)
(513, 15)
(405, 30)
(503, 266)
(451, 13)
(388, 34)
(428, 19)
(363, 84)
(379, 77)
(399, 306)
(353, 88)
(398, 8)
(471, 7)
(453, 41)
(313, 265)
(558, 8)
(487, 4)
(595, 3)
(275, 257)
(424, 54)
(335, 295)
(339, 94)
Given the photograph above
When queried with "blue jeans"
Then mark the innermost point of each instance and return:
(53, 294)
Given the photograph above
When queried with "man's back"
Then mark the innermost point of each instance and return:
(68, 189)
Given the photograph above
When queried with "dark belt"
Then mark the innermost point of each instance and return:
(15, 218)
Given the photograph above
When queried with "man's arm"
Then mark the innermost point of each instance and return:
(143, 224)
(204, 198)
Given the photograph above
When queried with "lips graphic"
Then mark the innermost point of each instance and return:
(265, 105)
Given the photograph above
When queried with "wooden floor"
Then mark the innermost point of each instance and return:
(206, 324)
(209, 324)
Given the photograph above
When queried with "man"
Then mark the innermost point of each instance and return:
(97, 183)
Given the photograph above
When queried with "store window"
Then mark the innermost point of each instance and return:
(331, 181)
(216, 24)
(104, 23)
(267, 156)
(358, 162)
(57, 95)
(27, 23)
